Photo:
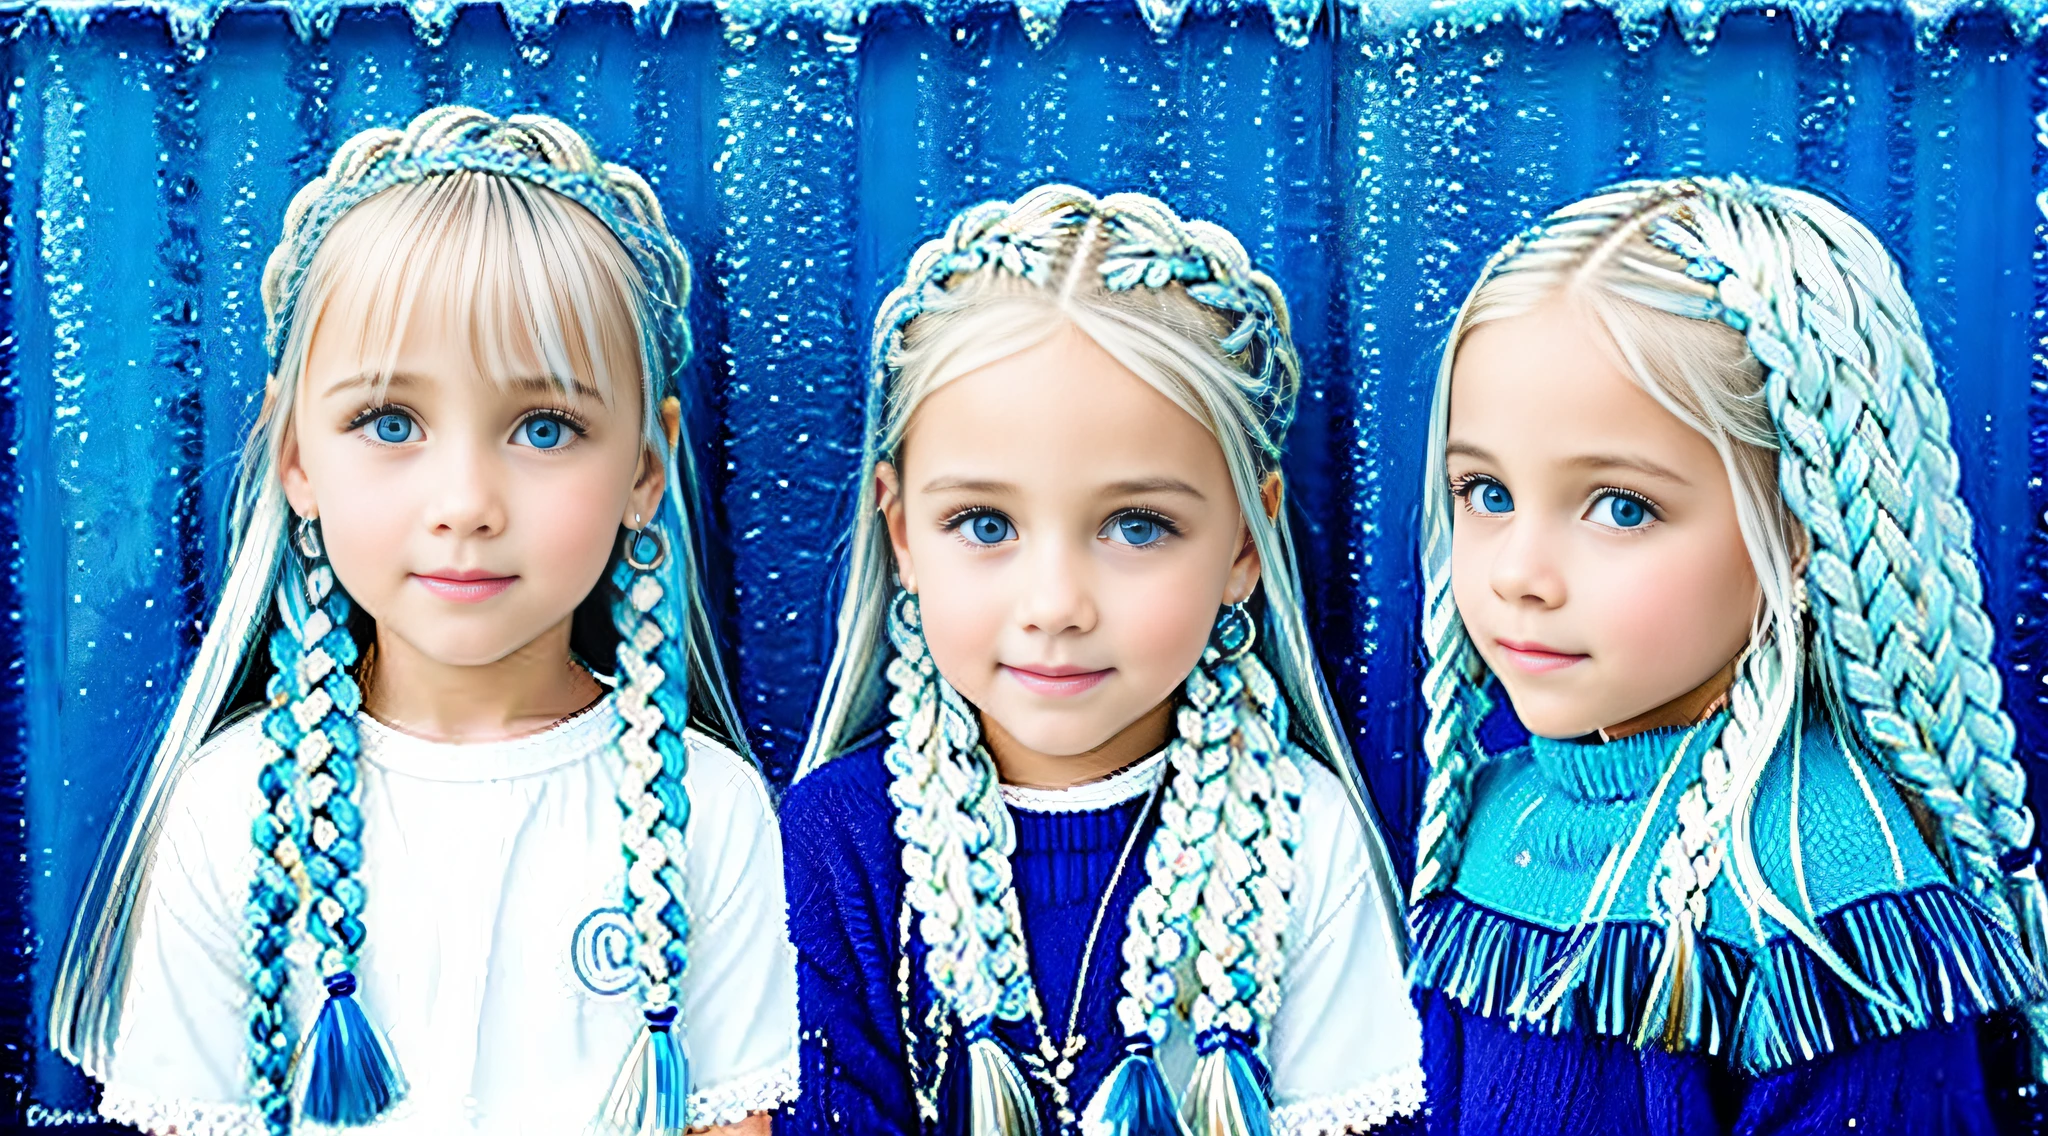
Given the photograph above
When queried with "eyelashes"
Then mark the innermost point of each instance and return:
(1612, 507)
(984, 526)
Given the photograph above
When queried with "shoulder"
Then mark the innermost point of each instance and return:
(849, 793)
(1840, 853)
(718, 777)
(219, 781)
(1830, 829)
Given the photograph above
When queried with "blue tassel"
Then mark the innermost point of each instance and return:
(652, 1094)
(1134, 1101)
(351, 1078)
(1227, 1096)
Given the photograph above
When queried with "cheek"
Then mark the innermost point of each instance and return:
(1164, 622)
(963, 605)
(1676, 614)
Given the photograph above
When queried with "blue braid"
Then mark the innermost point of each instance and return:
(652, 1091)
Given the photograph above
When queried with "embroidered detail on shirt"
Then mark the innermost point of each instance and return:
(1360, 1110)
(730, 1102)
(191, 1118)
(601, 950)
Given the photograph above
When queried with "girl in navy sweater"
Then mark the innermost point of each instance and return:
(1076, 845)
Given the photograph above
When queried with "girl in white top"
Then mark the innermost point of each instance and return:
(449, 883)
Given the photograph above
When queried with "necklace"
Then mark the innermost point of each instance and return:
(367, 669)
(1053, 1065)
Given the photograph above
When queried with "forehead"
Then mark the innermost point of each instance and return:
(1061, 414)
(1550, 384)
(457, 270)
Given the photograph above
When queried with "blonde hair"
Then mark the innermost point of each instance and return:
(1740, 308)
(1179, 305)
(562, 266)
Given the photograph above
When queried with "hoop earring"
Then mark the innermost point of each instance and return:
(306, 538)
(643, 550)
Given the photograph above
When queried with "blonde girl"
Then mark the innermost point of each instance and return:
(1765, 867)
(452, 818)
(1077, 845)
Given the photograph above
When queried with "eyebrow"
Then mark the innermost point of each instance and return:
(1584, 461)
(529, 384)
(1114, 489)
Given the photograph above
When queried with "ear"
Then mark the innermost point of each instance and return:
(649, 480)
(1245, 570)
(889, 503)
(291, 472)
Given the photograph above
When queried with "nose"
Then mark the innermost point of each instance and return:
(1057, 596)
(1525, 568)
(466, 492)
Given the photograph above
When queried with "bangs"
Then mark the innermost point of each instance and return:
(543, 287)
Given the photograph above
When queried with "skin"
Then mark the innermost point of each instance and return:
(1596, 558)
(469, 488)
(1070, 534)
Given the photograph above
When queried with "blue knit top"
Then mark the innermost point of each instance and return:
(1781, 1044)
(860, 968)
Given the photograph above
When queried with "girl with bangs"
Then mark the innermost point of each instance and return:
(453, 816)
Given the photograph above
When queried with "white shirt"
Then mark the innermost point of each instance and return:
(497, 956)
(1345, 1046)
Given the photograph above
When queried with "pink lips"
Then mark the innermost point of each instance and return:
(1056, 682)
(466, 585)
(1535, 658)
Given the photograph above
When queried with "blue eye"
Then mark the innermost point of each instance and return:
(1487, 497)
(394, 428)
(1619, 511)
(987, 528)
(543, 432)
(1136, 530)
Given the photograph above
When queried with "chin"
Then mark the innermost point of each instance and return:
(1057, 739)
(1544, 718)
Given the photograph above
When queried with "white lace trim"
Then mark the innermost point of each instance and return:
(1359, 1110)
(730, 1102)
(192, 1118)
(1090, 796)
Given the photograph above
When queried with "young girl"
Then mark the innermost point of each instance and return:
(475, 333)
(1765, 862)
(1110, 854)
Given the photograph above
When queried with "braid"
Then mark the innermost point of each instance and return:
(653, 702)
(1839, 475)
(311, 838)
(274, 897)
(1693, 855)
(1457, 703)
(651, 1093)
(957, 839)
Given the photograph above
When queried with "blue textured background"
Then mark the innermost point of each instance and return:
(1370, 171)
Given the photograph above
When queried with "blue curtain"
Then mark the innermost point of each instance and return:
(150, 153)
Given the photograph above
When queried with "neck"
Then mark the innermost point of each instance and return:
(526, 691)
(1020, 765)
(1692, 706)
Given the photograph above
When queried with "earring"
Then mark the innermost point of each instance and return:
(644, 548)
(307, 538)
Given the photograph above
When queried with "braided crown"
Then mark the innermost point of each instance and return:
(450, 140)
(1146, 245)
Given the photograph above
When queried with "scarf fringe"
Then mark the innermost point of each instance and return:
(1930, 950)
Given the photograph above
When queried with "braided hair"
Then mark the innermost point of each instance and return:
(1179, 303)
(594, 243)
(1815, 382)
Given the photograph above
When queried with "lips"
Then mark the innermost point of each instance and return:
(1537, 658)
(463, 585)
(1057, 681)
